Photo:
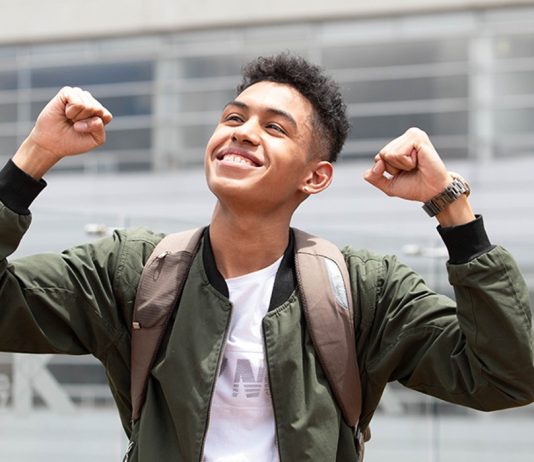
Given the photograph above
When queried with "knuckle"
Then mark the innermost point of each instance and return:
(75, 92)
(417, 132)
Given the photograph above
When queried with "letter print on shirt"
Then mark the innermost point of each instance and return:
(242, 426)
(244, 378)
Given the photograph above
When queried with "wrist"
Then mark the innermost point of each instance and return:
(33, 159)
(437, 186)
(457, 213)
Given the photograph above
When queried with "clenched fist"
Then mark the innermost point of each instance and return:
(409, 167)
(72, 122)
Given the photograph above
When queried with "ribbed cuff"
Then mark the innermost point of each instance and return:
(18, 189)
(465, 242)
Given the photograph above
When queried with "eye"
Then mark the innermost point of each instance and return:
(235, 118)
(276, 127)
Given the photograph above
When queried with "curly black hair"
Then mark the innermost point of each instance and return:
(330, 121)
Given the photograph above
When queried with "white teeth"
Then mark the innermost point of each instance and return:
(237, 159)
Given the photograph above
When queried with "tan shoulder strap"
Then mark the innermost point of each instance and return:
(325, 291)
(159, 289)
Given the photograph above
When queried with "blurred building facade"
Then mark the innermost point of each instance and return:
(464, 75)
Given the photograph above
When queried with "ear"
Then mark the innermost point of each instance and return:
(319, 178)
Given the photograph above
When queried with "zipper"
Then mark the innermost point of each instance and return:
(219, 363)
(271, 393)
(128, 451)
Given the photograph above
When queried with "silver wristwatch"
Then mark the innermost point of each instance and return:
(452, 192)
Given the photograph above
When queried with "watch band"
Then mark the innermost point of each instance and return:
(451, 193)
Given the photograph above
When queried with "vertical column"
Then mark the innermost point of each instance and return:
(166, 136)
(23, 94)
(481, 134)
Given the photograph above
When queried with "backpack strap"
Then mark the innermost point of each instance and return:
(325, 292)
(158, 292)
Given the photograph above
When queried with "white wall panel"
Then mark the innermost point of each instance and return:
(29, 20)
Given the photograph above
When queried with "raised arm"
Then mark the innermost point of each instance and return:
(55, 302)
(477, 352)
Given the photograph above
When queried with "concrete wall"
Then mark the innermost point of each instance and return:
(31, 20)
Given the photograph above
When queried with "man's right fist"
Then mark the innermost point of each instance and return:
(71, 123)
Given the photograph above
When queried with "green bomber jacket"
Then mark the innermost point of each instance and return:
(477, 353)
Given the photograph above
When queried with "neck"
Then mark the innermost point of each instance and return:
(243, 244)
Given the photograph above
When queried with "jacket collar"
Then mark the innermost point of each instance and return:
(284, 283)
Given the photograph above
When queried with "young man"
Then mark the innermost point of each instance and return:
(239, 314)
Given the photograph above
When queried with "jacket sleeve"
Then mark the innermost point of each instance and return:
(477, 352)
(57, 303)
(54, 303)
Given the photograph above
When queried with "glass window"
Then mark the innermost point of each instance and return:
(118, 105)
(108, 161)
(8, 145)
(128, 139)
(8, 112)
(64, 49)
(514, 83)
(513, 121)
(37, 107)
(195, 136)
(203, 100)
(406, 89)
(449, 147)
(440, 123)
(513, 46)
(128, 105)
(8, 80)
(9, 53)
(516, 146)
(92, 74)
(395, 54)
(209, 66)
(125, 161)
(3, 159)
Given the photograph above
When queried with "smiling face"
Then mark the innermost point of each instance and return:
(258, 155)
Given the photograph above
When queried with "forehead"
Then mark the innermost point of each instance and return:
(271, 95)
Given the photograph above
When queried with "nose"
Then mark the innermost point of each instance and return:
(247, 132)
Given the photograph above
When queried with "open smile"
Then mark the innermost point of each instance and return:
(238, 157)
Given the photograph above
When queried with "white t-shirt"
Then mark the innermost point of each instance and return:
(242, 426)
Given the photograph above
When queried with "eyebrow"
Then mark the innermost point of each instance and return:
(271, 110)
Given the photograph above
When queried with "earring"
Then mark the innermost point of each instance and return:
(306, 189)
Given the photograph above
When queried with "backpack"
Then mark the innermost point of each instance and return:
(325, 294)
